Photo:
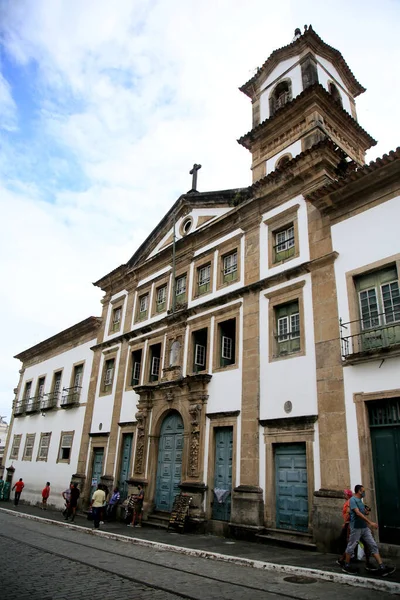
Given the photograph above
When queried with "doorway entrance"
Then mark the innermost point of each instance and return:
(291, 487)
(169, 468)
(97, 470)
(384, 422)
(126, 453)
(221, 509)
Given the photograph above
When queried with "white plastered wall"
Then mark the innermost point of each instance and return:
(35, 473)
(360, 241)
(327, 73)
(293, 149)
(287, 69)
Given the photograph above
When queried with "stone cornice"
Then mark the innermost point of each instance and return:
(309, 40)
(80, 330)
(331, 197)
(181, 316)
(297, 107)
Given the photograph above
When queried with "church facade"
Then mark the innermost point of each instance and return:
(248, 353)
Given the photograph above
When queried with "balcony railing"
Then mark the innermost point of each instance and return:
(71, 396)
(32, 405)
(19, 408)
(49, 401)
(375, 335)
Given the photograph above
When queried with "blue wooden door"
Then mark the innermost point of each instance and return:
(169, 467)
(291, 487)
(124, 473)
(221, 508)
(97, 470)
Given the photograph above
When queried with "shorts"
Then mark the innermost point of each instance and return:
(364, 534)
(44, 500)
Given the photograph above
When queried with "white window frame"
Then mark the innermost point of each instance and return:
(200, 355)
(78, 375)
(284, 239)
(143, 304)
(204, 275)
(226, 347)
(63, 445)
(43, 446)
(161, 295)
(230, 263)
(287, 326)
(136, 371)
(155, 366)
(373, 319)
(17, 438)
(395, 310)
(29, 444)
(181, 285)
(109, 373)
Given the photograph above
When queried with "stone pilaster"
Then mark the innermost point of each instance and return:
(332, 426)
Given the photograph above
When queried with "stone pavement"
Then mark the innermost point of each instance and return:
(236, 549)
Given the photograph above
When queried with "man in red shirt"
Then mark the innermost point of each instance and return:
(19, 486)
(45, 495)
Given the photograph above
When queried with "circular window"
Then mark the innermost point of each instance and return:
(186, 225)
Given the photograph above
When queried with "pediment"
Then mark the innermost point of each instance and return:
(190, 213)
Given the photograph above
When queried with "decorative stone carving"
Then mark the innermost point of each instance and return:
(169, 396)
(141, 418)
(194, 450)
(174, 354)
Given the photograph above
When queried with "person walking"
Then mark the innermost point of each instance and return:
(360, 530)
(19, 486)
(137, 507)
(98, 499)
(45, 495)
(67, 497)
(112, 505)
(73, 502)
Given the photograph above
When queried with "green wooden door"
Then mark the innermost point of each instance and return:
(221, 509)
(125, 464)
(291, 487)
(97, 470)
(385, 439)
(169, 469)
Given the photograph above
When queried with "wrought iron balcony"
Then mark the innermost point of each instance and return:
(370, 337)
(32, 405)
(19, 408)
(49, 401)
(71, 396)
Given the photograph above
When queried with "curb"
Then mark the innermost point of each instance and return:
(353, 580)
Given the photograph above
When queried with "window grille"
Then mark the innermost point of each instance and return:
(384, 413)
(161, 295)
(284, 239)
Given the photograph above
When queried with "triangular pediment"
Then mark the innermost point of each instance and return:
(191, 213)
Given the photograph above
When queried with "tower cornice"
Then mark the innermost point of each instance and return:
(310, 40)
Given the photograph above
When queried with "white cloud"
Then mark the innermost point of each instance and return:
(8, 108)
(127, 95)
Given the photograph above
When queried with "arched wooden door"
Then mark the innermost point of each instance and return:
(169, 468)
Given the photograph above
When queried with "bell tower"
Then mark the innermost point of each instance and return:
(304, 93)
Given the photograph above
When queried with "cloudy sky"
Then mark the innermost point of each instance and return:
(104, 107)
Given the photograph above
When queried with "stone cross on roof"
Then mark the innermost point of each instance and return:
(193, 173)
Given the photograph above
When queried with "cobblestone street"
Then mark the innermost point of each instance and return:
(41, 561)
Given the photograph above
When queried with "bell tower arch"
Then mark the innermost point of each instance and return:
(304, 93)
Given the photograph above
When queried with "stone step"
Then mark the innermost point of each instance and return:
(158, 519)
(287, 539)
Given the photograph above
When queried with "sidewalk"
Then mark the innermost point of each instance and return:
(230, 548)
